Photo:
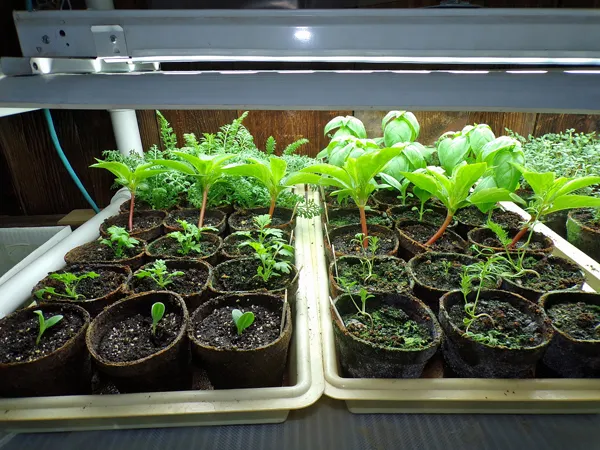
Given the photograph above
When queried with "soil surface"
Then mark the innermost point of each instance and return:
(210, 220)
(588, 217)
(472, 216)
(132, 339)
(391, 197)
(17, 339)
(391, 327)
(343, 243)
(510, 328)
(339, 219)
(423, 232)
(554, 274)
(442, 273)
(406, 213)
(90, 288)
(101, 252)
(138, 205)
(191, 282)
(170, 247)
(579, 320)
(242, 220)
(231, 244)
(489, 239)
(347, 203)
(219, 330)
(387, 275)
(242, 277)
(140, 223)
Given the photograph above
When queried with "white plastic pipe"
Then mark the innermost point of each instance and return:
(17, 290)
(127, 133)
(100, 4)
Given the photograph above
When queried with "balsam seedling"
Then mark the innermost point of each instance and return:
(157, 312)
(159, 273)
(189, 239)
(242, 320)
(45, 324)
(119, 240)
(70, 282)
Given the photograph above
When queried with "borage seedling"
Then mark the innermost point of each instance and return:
(242, 320)
(190, 238)
(157, 312)
(45, 324)
(70, 282)
(119, 240)
(159, 273)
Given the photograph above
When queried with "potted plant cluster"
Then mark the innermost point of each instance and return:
(151, 302)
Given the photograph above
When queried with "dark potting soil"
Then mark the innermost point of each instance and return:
(389, 197)
(553, 276)
(332, 202)
(351, 218)
(243, 219)
(391, 327)
(90, 288)
(170, 247)
(231, 245)
(190, 282)
(242, 277)
(218, 329)
(138, 206)
(343, 243)
(429, 216)
(387, 275)
(132, 339)
(493, 241)
(192, 217)
(579, 320)
(101, 252)
(472, 216)
(17, 339)
(588, 217)
(442, 273)
(511, 328)
(140, 223)
(422, 233)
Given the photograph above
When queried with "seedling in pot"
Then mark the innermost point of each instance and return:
(242, 320)
(159, 273)
(263, 230)
(190, 238)
(157, 311)
(45, 324)
(70, 282)
(119, 240)
(364, 296)
(423, 196)
(368, 258)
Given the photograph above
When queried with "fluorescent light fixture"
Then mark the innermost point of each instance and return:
(527, 71)
(466, 72)
(596, 72)
(237, 72)
(303, 34)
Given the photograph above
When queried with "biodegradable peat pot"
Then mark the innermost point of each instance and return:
(583, 232)
(435, 274)
(254, 359)
(153, 364)
(556, 274)
(238, 276)
(212, 218)
(98, 293)
(332, 203)
(575, 348)
(137, 207)
(351, 216)
(434, 215)
(378, 352)
(471, 217)
(192, 286)
(147, 225)
(63, 369)
(484, 238)
(414, 235)
(520, 319)
(95, 252)
(341, 238)
(389, 275)
(231, 245)
(283, 218)
(167, 247)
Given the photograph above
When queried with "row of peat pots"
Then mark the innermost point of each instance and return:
(162, 308)
(401, 309)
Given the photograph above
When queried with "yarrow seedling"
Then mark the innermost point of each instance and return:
(70, 282)
(242, 320)
(190, 238)
(157, 312)
(159, 273)
(45, 324)
(119, 240)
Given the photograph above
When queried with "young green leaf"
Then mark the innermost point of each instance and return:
(157, 312)
(45, 324)
(242, 320)
(399, 126)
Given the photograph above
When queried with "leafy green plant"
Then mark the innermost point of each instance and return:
(45, 324)
(355, 179)
(119, 240)
(190, 238)
(455, 191)
(480, 272)
(347, 146)
(308, 209)
(264, 233)
(167, 135)
(466, 145)
(364, 296)
(69, 281)
(423, 197)
(399, 126)
(242, 320)
(346, 126)
(159, 273)
(132, 179)
(157, 312)
(367, 259)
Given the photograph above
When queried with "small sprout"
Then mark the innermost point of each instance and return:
(70, 281)
(242, 320)
(45, 324)
(159, 273)
(189, 239)
(158, 311)
(119, 240)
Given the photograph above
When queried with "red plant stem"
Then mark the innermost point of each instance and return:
(272, 208)
(363, 226)
(439, 232)
(131, 205)
(203, 208)
(519, 235)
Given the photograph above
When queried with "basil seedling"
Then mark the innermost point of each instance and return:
(45, 324)
(242, 320)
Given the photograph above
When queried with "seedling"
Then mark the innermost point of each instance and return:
(364, 296)
(263, 231)
(446, 266)
(423, 196)
(399, 126)
(157, 312)
(242, 320)
(455, 147)
(70, 282)
(45, 324)
(159, 273)
(119, 240)
(368, 258)
(190, 238)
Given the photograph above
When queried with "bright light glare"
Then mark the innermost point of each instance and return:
(303, 34)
